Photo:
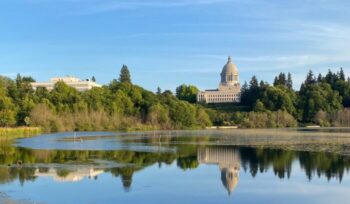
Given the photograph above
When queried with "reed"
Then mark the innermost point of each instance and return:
(18, 132)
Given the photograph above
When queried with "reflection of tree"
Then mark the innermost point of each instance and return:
(253, 160)
(260, 160)
(62, 172)
(189, 162)
(329, 165)
(22, 174)
(126, 174)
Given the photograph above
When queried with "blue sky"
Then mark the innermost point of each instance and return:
(167, 43)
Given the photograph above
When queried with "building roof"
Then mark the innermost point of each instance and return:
(229, 68)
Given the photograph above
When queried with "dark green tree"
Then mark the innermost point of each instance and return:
(310, 78)
(280, 80)
(124, 76)
(159, 91)
(289, 81)
(341, 74)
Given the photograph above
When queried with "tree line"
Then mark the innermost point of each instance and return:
(119, 105)
(321, 100)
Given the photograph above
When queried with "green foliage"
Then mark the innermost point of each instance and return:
(278, 119)
(158, 115)
(259, 106)
(187, 93)
(120, 105)
(279, 98)
(182, 114)
(203, 119)
(7, 108)
(322, 94)
(315, 97)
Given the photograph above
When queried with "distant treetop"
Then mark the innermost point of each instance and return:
(124, 76)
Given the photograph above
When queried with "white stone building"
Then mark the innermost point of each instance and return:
(80, 85)
(229, 90)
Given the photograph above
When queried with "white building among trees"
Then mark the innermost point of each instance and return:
(80, 85)
(229, 90)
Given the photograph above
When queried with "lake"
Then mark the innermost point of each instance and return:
(208, 166)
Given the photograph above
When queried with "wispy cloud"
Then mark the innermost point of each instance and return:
(94, 7)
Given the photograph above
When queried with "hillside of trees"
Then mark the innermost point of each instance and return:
(120, 105)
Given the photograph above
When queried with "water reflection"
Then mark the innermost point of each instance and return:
(187, 165)
(228, 161)
(74, 166)
(64, 175)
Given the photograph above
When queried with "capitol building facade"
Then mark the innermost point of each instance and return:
(229, 90)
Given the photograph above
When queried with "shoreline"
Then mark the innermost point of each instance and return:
(23, 132)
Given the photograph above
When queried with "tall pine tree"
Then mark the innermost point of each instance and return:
(124, 76)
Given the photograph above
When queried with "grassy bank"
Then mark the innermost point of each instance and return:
(18, 132)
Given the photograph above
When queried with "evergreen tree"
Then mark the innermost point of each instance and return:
(330, 77)
(93, 79)
(159, 91)
(280, 80)
(253, 84)
(319, 78)
(124, 76)
(244, 93)
(310, 78)
(341, 74)
(275, 81)
(289, 81)
(250, 94)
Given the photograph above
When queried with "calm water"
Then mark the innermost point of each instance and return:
(232, 166)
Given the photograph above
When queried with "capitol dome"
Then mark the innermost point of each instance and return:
(229, 68)
(229, 74)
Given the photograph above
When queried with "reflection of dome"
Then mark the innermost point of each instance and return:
(229, 74)
(229, 177)
(228, 160)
